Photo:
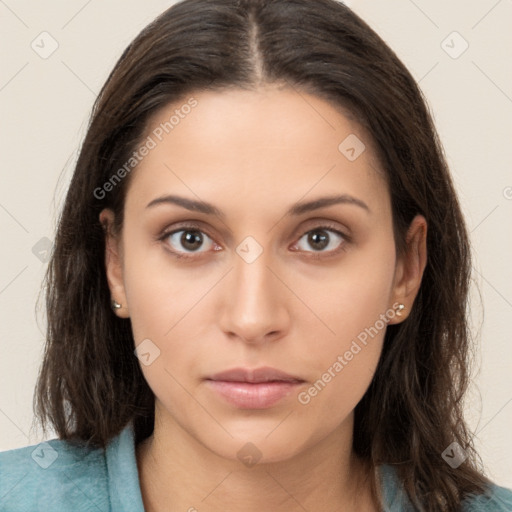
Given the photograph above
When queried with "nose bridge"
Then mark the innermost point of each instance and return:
(255, 306)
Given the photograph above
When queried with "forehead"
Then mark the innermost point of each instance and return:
(272, 146)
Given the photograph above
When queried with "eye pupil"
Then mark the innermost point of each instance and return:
(318, 239)
(192, 238)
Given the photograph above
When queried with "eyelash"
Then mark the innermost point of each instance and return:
(314, 255)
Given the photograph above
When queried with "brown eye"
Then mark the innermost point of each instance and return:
(318, 240)
(321, 238)
(191, 240)
(187, 240)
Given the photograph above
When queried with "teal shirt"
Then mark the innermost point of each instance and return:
(58, 476)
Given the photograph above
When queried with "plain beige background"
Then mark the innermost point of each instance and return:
(459, 51)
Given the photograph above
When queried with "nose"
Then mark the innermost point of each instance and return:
(256, 303)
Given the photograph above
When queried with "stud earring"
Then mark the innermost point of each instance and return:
(115, 305)
(400, 307)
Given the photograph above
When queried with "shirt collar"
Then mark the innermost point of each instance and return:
(123, 475)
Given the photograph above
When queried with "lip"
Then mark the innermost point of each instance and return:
(258, 388)
(254, 375)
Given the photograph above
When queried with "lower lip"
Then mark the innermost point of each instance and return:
(245, 395)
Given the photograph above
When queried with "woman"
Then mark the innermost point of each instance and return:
(257, 296)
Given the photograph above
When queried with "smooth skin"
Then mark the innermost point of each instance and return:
(296, 307)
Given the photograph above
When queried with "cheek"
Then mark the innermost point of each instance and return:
(159, 293)
(325, 404)
(342, 367)
(350, 298)
(168, 306)
(355, 308)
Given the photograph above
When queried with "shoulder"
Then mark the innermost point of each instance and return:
(496, 499)
(55, 474)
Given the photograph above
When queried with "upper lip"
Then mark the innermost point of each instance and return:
(263, 374)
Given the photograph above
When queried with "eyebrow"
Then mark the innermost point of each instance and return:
(296, 209)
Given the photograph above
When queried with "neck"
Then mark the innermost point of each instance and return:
(178, 473)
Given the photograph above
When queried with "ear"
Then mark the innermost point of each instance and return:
(409, 269)
(114, 263)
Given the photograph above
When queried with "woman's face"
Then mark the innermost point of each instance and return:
(269, 274)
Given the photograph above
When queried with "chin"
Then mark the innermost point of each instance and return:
(257, 445)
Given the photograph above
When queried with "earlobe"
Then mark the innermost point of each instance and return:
(410, 268)
(114, 265)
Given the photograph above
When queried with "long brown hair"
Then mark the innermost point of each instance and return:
(90, 383)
